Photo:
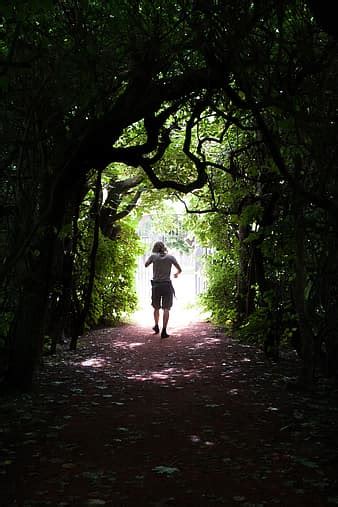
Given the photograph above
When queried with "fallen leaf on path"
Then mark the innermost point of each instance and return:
(164, 470)
(68, 465)
(306, 462)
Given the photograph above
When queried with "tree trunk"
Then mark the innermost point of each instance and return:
(245, 295)
(306, 333)
(62, 322)
(331, 296)
(79, 328)
(26, 340)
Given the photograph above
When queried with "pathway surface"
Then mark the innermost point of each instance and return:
(192, 420)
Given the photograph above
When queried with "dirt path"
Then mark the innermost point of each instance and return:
(193, 420)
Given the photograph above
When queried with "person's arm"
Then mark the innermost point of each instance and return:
(178, 267)
(149, 261)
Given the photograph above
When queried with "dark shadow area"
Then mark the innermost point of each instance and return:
(131, 419)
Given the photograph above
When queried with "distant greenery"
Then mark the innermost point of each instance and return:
(220, 266)
(113, 296)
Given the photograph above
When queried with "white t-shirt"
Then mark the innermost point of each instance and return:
(162, 266)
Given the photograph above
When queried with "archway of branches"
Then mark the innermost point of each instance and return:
(110, 109)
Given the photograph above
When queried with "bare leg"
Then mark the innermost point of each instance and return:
(165, 323)
(156, 319)
(156, 316)
(165, 318)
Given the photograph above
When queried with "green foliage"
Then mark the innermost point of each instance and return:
(114, 295)
(220, 295)
(168, 222)
(220, 265)
(251, 214)
(178, 243)
(257, 327)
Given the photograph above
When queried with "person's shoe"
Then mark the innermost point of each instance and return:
(164, 333)
(156, 329)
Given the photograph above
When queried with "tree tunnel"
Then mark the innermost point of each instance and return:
(109, 109)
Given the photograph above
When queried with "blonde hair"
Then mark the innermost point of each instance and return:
(159, 247)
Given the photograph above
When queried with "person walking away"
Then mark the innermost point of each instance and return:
(162, 289)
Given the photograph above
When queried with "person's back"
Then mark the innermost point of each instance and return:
(162, 266)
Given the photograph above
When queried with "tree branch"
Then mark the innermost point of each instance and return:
(130, 206)
(199, 212)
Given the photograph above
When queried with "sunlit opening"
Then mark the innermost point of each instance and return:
(180, 317)
(185, 309)
(188, 286)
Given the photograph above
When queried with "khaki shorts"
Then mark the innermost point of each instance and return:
(162, 295)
